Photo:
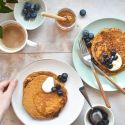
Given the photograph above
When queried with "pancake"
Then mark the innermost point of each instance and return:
(37, 103)
(105, 41)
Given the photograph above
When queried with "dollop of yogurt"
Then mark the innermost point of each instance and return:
(48, 84)
(116, 63)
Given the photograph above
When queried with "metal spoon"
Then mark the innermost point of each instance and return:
(84, 93)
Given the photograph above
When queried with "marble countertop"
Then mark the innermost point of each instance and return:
(56, 44)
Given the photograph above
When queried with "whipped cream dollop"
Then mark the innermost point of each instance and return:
(48, 84)
(116, 63)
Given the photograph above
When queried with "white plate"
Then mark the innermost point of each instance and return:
(75, 100)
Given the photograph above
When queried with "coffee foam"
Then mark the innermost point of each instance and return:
(13, 36)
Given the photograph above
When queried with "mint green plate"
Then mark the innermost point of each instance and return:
(83, 70)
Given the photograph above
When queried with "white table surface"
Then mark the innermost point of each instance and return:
(58, 45)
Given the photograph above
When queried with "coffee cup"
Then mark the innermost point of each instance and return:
(15, 37)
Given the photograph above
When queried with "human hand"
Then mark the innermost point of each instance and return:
(6, 90)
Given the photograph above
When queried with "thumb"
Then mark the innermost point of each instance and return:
(4, 84)
(11, 88)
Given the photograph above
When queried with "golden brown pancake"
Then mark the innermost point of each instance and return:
(37, 103)
(105, 41)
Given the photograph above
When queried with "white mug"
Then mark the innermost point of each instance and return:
(26, 41)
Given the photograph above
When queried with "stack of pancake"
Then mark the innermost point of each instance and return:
(37, 103)
(105, 41)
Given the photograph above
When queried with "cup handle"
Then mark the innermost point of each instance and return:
(31, 43)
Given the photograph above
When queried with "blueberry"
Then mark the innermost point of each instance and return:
(115, 57)
(110, 60)
(32, 6)
(84, 37)
(103, 62)
(53, 89)
(113, 52)
(24, 11)
(109, 66)
(82, 12)
(65, 75)
(107, 59)
(91, 35)
(87, 40)
(85, 33)
(37, 7)
(32, 10)
(105, 55)
(58, 87)
(112, 57)
(27, 5)
(105, 115)
(64, 80)
(105, 122)
(59, 77)
(100, 123)
(33, 15)
(27, 16)
(60, 92)
(88, 44)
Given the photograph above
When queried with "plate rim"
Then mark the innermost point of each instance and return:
(12, 100)
(76, 40)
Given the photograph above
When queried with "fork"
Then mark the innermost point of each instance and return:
(83, 51)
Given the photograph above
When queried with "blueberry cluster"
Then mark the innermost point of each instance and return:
(57, 89)
(107, 60)
(87, 37)
(82, 12)
(100, 119)
(63, 77)
(30, 10)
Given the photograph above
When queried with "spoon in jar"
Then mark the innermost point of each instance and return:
(95, 114)
(56, 17)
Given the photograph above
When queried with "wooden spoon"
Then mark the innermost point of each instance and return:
(55, 16)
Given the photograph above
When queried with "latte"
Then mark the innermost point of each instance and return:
(13, 36)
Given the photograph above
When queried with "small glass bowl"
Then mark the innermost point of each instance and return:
(66, 28)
